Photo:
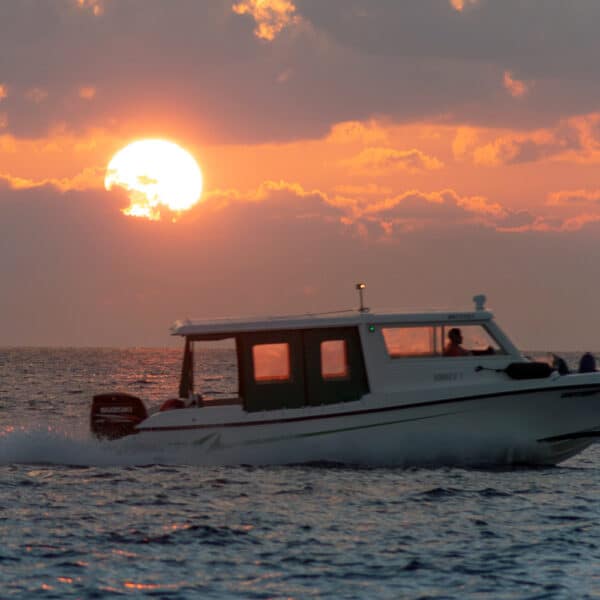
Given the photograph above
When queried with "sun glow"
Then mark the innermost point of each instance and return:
(155, 174)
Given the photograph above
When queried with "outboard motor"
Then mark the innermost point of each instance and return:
(116, 415)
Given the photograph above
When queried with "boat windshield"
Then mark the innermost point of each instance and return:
(476, 339)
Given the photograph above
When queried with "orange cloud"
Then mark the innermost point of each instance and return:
(62, 160)
(464, 140)
(414, 210)
(571, 197)
(575, 140)
(271, 16)
(357, 131)
(460, 5)
(515, 87)
(267, 189)
(87, 92)
(380, 160)
(560, 225)
(482, 206)
(90, 178)
(284, 76)
(516, 148)
(572, 140)
(3, 92)
(579, 222)
(36, 95)
(96, 7)
(347, 172)
(369, 189)
(319, 205)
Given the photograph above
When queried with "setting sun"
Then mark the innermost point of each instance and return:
(155, 173)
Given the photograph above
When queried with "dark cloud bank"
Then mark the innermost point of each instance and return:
(197, 66)
(74, 271)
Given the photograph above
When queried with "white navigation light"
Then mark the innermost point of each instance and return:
(360, 287)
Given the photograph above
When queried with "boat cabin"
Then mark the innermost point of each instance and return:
(295, 362)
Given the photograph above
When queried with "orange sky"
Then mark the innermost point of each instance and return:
(338, 142)
(356, 164)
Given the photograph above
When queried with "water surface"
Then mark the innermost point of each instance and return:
(79, 520)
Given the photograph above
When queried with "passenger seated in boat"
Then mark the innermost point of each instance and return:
(560, 364)
(587, 364)
(453, 347)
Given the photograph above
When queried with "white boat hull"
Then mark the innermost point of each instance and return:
(505, 428)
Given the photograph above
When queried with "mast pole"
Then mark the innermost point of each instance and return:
(360, 287)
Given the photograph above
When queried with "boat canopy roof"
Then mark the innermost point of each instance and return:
(226, 327)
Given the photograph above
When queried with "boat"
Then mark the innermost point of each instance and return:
(366, 388)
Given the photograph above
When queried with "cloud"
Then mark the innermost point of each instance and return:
(579, 222)
(515, 87)
(460, 5)
(369, 208)
(87, 92)
(515, 149)
(289, 200)
(96, 7)
(89, 178)
(63, 160)
(575, 139)
(464, 140)
(108, 280)
(36, 95)
(568, 225)
(271, 16)
(374, 218)
(204, 265)
(414, 210)
(368, 189)
(380, 160)
(284, 76)
(571, 197)
(3, 92)
(567, 211)
(390, 61)
(348, 132)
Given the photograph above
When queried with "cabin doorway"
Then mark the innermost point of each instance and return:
(334, 366)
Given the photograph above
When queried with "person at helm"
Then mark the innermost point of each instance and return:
(454, 347)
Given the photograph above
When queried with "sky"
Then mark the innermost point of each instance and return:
(434, 150)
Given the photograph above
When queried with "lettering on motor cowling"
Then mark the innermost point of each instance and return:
(115, 409)
(447, 376)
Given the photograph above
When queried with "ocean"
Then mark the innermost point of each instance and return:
(78, 520)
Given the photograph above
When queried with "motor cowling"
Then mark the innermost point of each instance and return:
(529, 370)
(116, 415)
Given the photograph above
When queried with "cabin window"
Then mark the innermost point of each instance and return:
(404, 342)
(334, 359)
(291, 368)
(271, 362)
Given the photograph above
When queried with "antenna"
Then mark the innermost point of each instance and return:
(360, 287)
(479, 301)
